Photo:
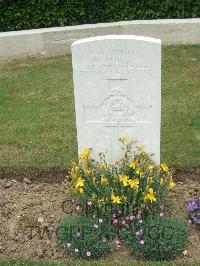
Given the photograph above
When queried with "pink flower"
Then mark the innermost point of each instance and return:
(100, 221)
(127, 218)
(162, 214)
(189, 221)
(88, 254)
(103, 239)
(76, 250)
(142, 242)
(138, 233)
(123, 222)
(68, 245)
(138, 216)
(131, 217)
(78, 233)
(115, 221)
(118, 242)
(120, 212)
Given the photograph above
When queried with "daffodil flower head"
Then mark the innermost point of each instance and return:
(134, 183)
(150, 196)
(164, 167)
(172, 184)
(115, 199)
(124, 180)
(133, 164)
(81, 190)
(86, 154)
(110, 165)
(122, 139)
(101, 166)
(79, 182)
(104, 181)
(139, 172)
(151, 167)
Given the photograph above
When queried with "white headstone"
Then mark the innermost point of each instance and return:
(117, 87)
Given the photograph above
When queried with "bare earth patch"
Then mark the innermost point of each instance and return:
(30, 212)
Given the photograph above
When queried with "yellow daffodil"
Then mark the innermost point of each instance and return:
(161, 181)
(150, 196)
(93, 196)
(86, 154)
(81, 190)
(139, 172)
(172, 184)
(151, 167)
(122, 139)
(80, 182)
(133, 164)
(104, 181)
(124, 180)
(115, 199)
(133, 183)
(164, 167)
(101, 166)
(110, 165)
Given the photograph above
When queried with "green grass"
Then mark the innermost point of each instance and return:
(38, 121)
(180, 139)
(94, 263)
(37, 114)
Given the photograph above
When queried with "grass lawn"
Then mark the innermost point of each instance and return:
(38, 121)
(93, 263)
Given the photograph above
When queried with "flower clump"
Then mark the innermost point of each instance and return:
(86, 237)
(121, 202)
(194, 209)
(133, 182)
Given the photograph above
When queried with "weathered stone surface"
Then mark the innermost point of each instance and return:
(57, 40)
(117, 87)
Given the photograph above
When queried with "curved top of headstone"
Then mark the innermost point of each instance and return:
(117, 37)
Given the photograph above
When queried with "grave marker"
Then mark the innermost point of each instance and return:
(117, 87)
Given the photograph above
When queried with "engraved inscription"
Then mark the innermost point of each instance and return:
(116, 110)
(111, 68)
(120, 61)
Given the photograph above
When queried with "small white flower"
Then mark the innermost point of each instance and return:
(185, 252)
(40, 220)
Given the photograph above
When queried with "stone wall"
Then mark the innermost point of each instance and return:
(57, 41)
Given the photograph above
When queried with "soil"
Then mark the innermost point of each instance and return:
(31, 208)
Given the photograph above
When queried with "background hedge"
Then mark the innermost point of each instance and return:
(29, 14)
